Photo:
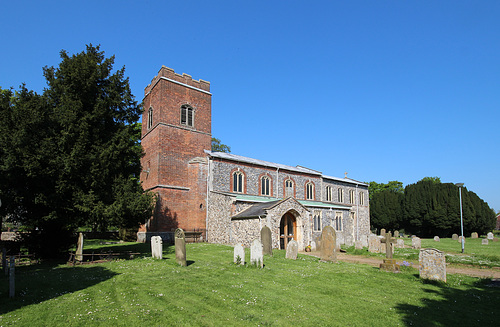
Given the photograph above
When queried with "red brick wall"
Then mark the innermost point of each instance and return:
(168, 166)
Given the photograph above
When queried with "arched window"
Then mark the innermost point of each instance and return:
(340, 195)
(352, 194)
(317, 221)
(150, 118)
(338, 221)
(265, 185)
(361, 198)
(329, 194)
(289, 188)
(238, 180)
(187, 116)
(310, 191)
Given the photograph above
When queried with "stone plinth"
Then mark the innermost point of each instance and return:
(389, 265)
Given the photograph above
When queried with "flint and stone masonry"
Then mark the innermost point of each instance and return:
(229, 198)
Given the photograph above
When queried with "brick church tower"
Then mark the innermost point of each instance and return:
(176, 129)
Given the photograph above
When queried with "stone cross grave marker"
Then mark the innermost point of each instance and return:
(328, 244)
(239, 252)
(474, 235)
(432, 264)
(382, 232)
(374, 244)
(436, 239)
(490, 236)
(291, 250)
(256, 255)
(484, 241)
(180, 247)
(156, 247)
(267, 241)
(454, 237)
(389, 244)
(79, 248)
(416, 243)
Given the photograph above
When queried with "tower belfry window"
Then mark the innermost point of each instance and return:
(150, 118)
(187, 116)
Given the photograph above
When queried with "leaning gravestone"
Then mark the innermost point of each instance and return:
(484, 241)
(79, 248)
(416, 243)
(256, 255)
(432, 264)
(267, 242)
(454, 237)
(291, 250)
(328, 244)
(474, 235)
(239, 254)
(400, 243)
(156, 247)
(180, 247)
(436, 239)
(382, 232)
(373, 244)
(490, 236)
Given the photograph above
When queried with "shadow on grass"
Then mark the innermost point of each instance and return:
(471, 305)
(38, 283)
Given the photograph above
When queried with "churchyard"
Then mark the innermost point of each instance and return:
(212, 290)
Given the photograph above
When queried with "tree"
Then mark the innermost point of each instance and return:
(217, 146)
(70, 157)
(392, 186)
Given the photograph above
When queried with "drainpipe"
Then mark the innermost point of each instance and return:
(357, 214)
(277, 182)
(207, 203)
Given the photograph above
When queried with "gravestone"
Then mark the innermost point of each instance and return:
(432, 264)
(349, 241)
(256, 255)
(180, 247)
(79, 248)
(328, 244)
(313, 246)
(156, 247)
(490, 236)
(340, 239)
(373, 244)
(364, 241)
(460, 239)
(436, 239)
(454, 237)
(382, 232)
(400, 243)
(396, 234)
(474, 235)
(484, 241)
(358, 245)
(239, 254)
(388, 240)
(291, 250)
(416, 243)
(266, 239)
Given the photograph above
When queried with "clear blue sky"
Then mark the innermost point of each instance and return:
(385, 90)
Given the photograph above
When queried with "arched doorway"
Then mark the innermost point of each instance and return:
(288, 230)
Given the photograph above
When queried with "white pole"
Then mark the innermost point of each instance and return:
(461, 218)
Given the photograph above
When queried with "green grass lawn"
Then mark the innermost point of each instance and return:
(212, 291)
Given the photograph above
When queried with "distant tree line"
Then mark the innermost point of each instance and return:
(428, 208)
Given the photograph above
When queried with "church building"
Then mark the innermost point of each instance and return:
(228, 198)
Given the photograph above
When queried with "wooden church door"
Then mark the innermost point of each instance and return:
(288, 230)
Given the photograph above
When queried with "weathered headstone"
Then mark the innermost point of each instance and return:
(460, 239)
(349, 240)
(239, 254)
(313, 246)
(484, 241)
(474, 235)
(388, 240)
(373, 244)
(432, 264)
(180, 247)
(382, 232)
(400, 243)
(12, 277)
(364, 241)
(79, 248)
(328, 244)
(358, 245)
(396, 234)
(266, 239)
(490, 236)
(156, 247)
(416, 243)
(256, 255)
(436, 239)
(454, 237)
(291, 250)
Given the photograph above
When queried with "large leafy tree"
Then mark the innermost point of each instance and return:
(218, 146)
(70, 157)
